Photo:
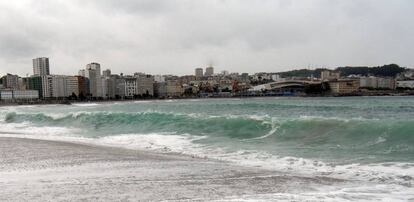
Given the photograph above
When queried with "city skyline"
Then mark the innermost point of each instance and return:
(207, 70)
(175, 37)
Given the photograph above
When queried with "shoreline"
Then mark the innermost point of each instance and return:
(70, 102)
(43, 170)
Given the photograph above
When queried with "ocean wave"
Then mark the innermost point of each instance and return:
(356, 136)
(399, 173)
(149, 121)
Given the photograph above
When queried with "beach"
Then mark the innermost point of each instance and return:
(39, 170)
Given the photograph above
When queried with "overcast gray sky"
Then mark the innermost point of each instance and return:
(176, 36)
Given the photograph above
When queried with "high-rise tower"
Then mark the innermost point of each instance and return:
(41, 66)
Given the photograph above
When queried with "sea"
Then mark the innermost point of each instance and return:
(368, 141)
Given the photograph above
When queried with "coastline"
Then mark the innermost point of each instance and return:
(69, 102)
(42, 170)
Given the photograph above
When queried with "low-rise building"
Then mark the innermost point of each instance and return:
(19, 95)
(145, 85)
(174, 88)
(368, 82)
(130, 86)
(59, 86)
(377, 82)
(159, 78)
(25, 94)
(83, 86)
(329, 75)
(11, 81)
(405, 84)
(71, 86)
(35, 83)
(6, 94)
(120, 88)
(160, 89)
(344, 86)
(386, 83)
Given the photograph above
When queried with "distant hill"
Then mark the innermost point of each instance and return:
(302, 73)
(390, 70)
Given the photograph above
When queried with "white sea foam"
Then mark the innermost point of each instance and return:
(270, 133)
(394, 173)
(27, 129)
(86, 104)
(392, 177)
(305, 117)
(143, 101)
(164, 142)
(397, 173)
(385, 193)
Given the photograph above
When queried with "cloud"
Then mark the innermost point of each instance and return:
(176, 36)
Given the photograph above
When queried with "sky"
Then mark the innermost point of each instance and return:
(177, 36)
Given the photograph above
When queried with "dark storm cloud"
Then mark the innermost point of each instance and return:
(175, 36)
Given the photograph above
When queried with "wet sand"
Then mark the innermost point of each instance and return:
(38, 170)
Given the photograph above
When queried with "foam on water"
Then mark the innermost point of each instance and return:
(360, 193)
(397, 173)
(397, 177)
(85, 104)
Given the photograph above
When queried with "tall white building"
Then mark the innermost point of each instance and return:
(209, 71)
(47, 88)
(91, 75)
(59, 86)
(110, 87)
(95, 83)
(53, 86)
(95, 66)
(130, 86)
(106, 73)
(199, 72)
(41, 66)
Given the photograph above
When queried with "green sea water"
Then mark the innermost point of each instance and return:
(347, 136)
